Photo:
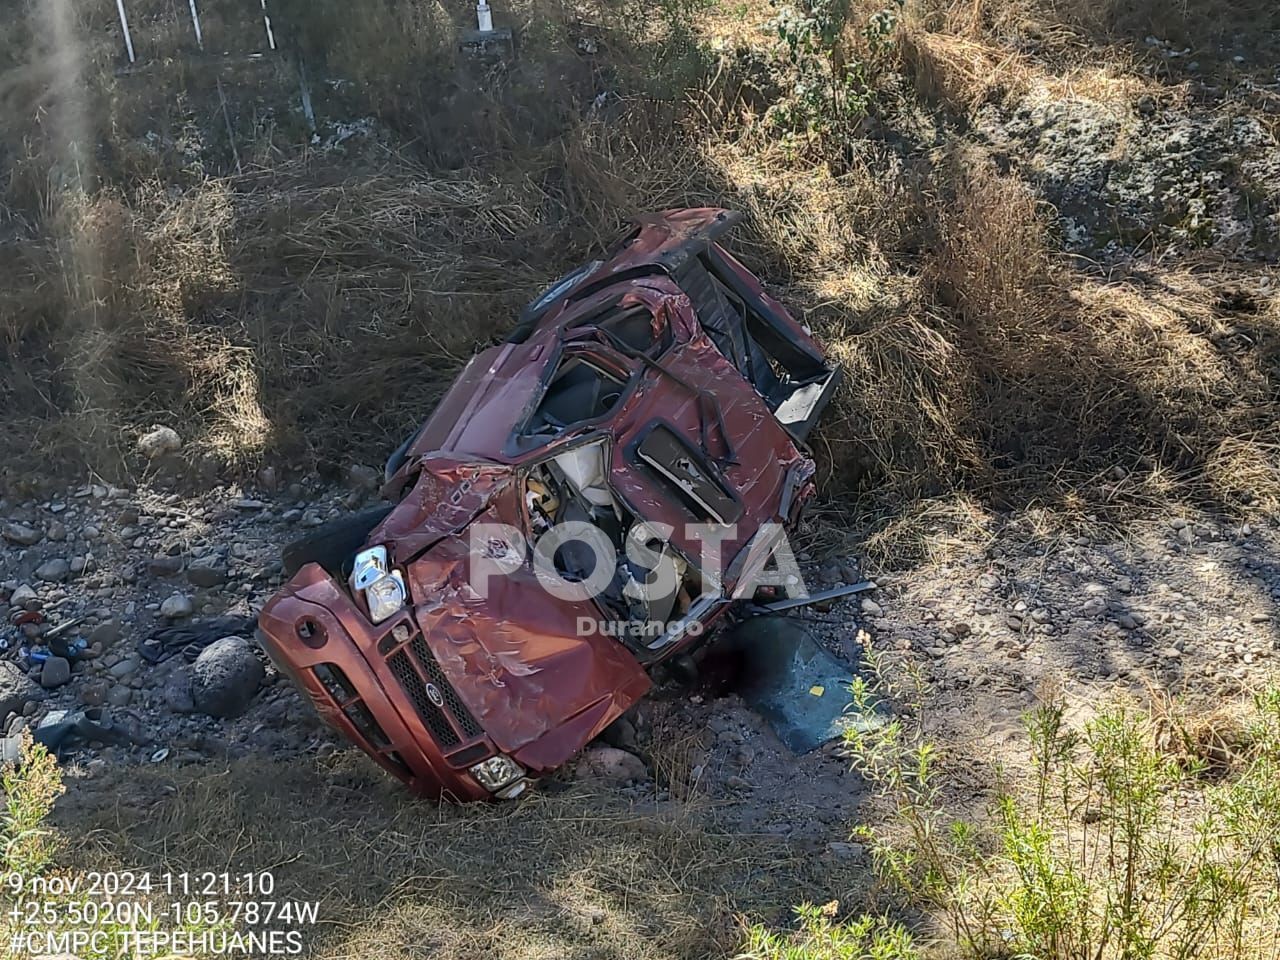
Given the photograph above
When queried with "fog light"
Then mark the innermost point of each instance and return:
(496, 772)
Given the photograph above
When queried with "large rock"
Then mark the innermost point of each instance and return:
(159, 441)
(610, 763)
(23, 598)
(53, 571)
(20, 533)
(16, 689)
(177, 606)
(225, 677)
(56, 672)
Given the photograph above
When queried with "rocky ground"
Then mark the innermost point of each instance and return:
(1185, 603)
(1179, 175)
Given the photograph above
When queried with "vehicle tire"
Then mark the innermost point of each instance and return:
(535, 311)
(333, 544)
(397, 458)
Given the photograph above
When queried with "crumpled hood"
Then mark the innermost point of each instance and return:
(532, 668)
(448, 494)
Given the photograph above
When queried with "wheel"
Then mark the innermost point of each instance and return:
(332, 544)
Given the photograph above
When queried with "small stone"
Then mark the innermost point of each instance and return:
(829, 575)
(268, 479)
(119, 696)
(177, 694)
(1127, 621)
(1093, 607)
(959, 629)
(56, 672)
(164, 566)
(842, 850)
(159, 441)
(57, 531)
(106, 633)
(741, 784)
(1013, 621)
(23, 598)
(1170, 653)
(21, 534)
(1042, 615)
(78, 565)
(871, 608)
(53, 571)
(177, 606)
(94, 695)
(207, 573)
(123, 668)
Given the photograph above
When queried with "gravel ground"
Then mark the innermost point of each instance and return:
(1185, 603)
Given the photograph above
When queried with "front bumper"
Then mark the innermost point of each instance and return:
(379, 685)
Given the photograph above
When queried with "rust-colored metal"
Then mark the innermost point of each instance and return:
(454, 677)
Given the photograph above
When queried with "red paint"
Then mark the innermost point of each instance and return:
(533, 688)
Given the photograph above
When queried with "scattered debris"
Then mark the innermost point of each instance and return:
(60, 726)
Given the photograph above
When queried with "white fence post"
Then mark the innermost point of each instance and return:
(266, 19)
(124, 25)
(195, 22)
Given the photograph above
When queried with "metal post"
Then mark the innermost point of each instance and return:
(484, 17)
(124, 25)
(195, 22)
(266, 19)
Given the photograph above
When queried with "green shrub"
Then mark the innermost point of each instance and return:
(1114, 849)
(836, 65)
(820, 937)
(30, 788)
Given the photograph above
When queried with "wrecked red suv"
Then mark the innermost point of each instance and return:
(652, 396)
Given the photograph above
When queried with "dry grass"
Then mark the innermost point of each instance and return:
(1217, 739)
(312, 307)
(574, 874)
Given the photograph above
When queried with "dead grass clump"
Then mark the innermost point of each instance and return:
(992, 261)
(962, 72)
(1217, 740)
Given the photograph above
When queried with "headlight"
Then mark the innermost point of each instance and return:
(385, 596)
(383, 588)
(496, 772)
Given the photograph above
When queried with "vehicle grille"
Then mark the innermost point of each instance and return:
(466, 722)
(433, 716)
